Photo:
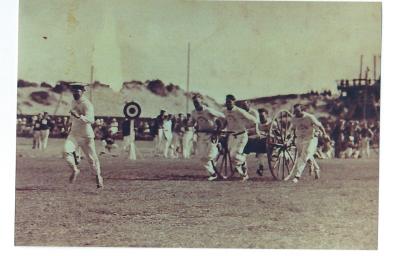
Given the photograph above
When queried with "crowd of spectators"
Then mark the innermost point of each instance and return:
(58, 126)
(349, 138)
(26, 125)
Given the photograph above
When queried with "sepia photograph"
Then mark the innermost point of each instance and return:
(198, 124)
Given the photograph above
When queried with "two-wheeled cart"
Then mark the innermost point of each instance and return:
(277, 144)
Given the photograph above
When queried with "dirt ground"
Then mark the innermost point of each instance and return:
(154, 202)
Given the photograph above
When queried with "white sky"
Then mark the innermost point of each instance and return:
(248, 49)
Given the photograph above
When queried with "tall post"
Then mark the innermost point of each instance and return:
(380, 63)
(361, 67)
(187, 78)
(365, 104)
(374, 67)
(365, 94)
(91, 81)
(132, 148)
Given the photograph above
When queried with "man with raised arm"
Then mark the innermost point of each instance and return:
(206, 122)
(238, 120)
(81, 134)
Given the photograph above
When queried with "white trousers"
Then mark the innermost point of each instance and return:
(207, 151)
(164, 143)
(37, 142)
(128, 145)
(176, 145)
(236, 146)
(44, 137)
(158, 142)
(87, 145)
(187, 144)
(306, 149)
(365, 148)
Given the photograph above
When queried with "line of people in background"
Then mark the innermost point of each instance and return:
(352, 139)
(55, 126)
(39, 126)
(175, 136)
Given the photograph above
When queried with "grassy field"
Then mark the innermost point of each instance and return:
(169, 203)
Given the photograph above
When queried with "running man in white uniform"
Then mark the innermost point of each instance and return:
(206, 123)
(306, 142)
(81, 134)
(237, 122)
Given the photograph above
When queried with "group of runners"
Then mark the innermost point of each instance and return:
(239, 121)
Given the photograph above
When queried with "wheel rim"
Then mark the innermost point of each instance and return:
(283, 152)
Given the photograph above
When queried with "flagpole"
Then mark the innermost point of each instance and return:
(187, 78)
(361, 68)
(91, 81)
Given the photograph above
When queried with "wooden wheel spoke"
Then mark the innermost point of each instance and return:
(291, 158)
(276, 161)
(283, 165)
(287, 165)
(279, 165)
(289, 168)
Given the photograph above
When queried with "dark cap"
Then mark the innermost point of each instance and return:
(197, 96)
(230, 97)
(77, 86)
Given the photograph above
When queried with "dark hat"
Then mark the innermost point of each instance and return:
(77, 86)
(262, 110)
(197, 96)
(230, 97)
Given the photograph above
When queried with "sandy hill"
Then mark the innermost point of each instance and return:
(155, 95)
(151, 95)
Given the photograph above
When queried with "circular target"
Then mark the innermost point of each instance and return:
(132, 110)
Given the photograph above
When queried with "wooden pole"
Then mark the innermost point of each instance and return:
(380, 63)
(187, 78)
(132, 149)
(91, 82)
(361, 67)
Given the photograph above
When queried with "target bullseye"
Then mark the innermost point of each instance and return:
(132, 110)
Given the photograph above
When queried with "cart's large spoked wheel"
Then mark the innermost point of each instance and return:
(223, 163)
(282, 150)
